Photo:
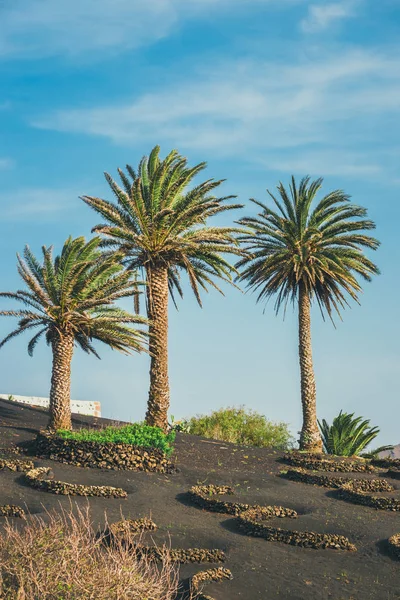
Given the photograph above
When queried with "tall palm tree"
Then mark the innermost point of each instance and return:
(159, 223)
(70, 299)
(300, 253)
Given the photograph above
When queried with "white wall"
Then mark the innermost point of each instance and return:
(79, 407)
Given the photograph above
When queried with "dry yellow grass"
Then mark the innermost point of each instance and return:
(62, 557)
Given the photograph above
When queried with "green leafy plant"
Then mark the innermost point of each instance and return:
(180, 425)
(136, 434)
(241, 426)
(349, 436)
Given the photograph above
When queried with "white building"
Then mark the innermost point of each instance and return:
(78, 407)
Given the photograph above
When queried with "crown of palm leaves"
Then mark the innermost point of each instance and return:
(74, 294)
(320, 247)
(158, 220)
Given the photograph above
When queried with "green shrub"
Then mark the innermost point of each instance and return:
(136, 434)
(349, 436)
(240, 426)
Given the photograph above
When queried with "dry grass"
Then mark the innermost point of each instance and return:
(62, 557)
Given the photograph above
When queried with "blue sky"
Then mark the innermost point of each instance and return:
(260, 89)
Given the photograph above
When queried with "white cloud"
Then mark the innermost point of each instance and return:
(263, 109)
(73, 27)
(321, 16)
(325, 163)
(37, 203)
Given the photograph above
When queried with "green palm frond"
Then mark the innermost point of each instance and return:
(75, 293)
(348, 436)
(321, 247)
(158, 218)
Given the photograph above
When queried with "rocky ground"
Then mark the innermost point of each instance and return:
(261, 569)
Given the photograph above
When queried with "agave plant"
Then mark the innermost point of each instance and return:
(70, 300)
(349, 436)
(159, 222)
(301, 250)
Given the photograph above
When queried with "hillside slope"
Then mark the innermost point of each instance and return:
(261, 570)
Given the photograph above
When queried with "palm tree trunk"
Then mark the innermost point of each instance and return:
(60, 399)
(157, 309)
(310, 438)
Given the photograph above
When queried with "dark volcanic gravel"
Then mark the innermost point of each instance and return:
(261, 570)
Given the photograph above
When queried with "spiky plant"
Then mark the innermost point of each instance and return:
(69, 299)
(302, 251)
(349, 436)
(159, 223)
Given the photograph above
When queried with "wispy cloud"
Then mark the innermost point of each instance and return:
(37, 203)
(326, 162)
(321, 16)
(48, 27)
(262, 109)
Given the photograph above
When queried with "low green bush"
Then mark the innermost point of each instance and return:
(241, 426)
(349, 436)
(137, 434)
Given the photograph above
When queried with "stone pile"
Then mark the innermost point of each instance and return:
(131, 527)
(358, 491)
(386, 463)
(181, 555)
(202, 496)
(251, 520)
(102, 456)
(394, 545)
(319, 462)
(124, 531)
(10, 510)
(15, 465)
(211, 575)
(362, 485)
(251, 523)
(11, 450)
(351, 492)
(42, 479)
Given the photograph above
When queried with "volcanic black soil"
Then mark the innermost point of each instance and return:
(261, 570)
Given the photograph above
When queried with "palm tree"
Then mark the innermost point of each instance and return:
(301, 254)
(349, 436)
(159, 224)
(70, 299)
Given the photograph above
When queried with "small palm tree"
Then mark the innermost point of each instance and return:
(349, 436)
(300, 253)
(70, 299)
(159, 224)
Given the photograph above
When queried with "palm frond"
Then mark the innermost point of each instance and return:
(74, 293)
(159, 215)
(348, 435)
(320, 248)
